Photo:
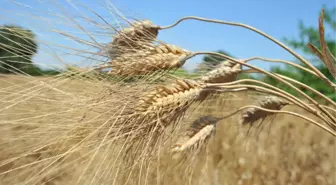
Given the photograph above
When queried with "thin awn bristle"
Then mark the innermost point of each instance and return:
(134, 37)
(154, 58)
(197, 134)
(225, 72)
(252, 114)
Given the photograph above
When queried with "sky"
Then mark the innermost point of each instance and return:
(278, 18)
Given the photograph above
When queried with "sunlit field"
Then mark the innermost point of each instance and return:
(91, 99)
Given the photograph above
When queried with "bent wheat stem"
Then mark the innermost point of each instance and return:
(297, 115)
(323, 77)
(271, 75)
(262, 89)
(282, 61)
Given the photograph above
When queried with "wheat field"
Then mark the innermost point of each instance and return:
(131, 119)
(285, 150)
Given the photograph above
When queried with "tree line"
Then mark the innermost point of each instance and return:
(17, 48)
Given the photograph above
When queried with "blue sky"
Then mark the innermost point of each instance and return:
(277, 18)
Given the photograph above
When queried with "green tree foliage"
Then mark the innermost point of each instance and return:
(309, 34)
(17, 47)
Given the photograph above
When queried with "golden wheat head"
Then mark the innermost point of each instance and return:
(140, 33)
(253, 114)
(224, 72)
(153, 58)
(171, 97)
(160, 108)
(197, 134)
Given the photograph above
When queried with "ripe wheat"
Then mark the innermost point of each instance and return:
(251, 115)
(139, 130)
(225, 72)
(144, 61)
(197, 134)
(133, 38)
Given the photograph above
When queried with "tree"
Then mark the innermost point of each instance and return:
(17, 47)
(309, 35)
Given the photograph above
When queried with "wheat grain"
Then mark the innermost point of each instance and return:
(253, 114)
(153, 58)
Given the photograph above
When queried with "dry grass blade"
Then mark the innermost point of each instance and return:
(197, 134)
(154, 58)
(251, 115)
(225, 72)
(134, 37)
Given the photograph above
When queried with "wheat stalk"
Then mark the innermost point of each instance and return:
(319, 112)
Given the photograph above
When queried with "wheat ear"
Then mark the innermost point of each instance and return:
(171, 97)
(140, 33)
(153, 114)
(153, 58)
(197, 134)
(160, 108)
(226, 71)
(252, 114)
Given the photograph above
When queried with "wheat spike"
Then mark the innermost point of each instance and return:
(163, 106)
(252, 115)
(159, 109)
(153, 58)
(140, 33)
(224, 72)
(197, 134)
(172, 97)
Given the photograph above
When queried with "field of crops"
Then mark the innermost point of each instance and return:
(133, 115)
(36, 132)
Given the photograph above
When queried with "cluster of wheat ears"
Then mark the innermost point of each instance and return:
(136, 51)
(148, 109)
